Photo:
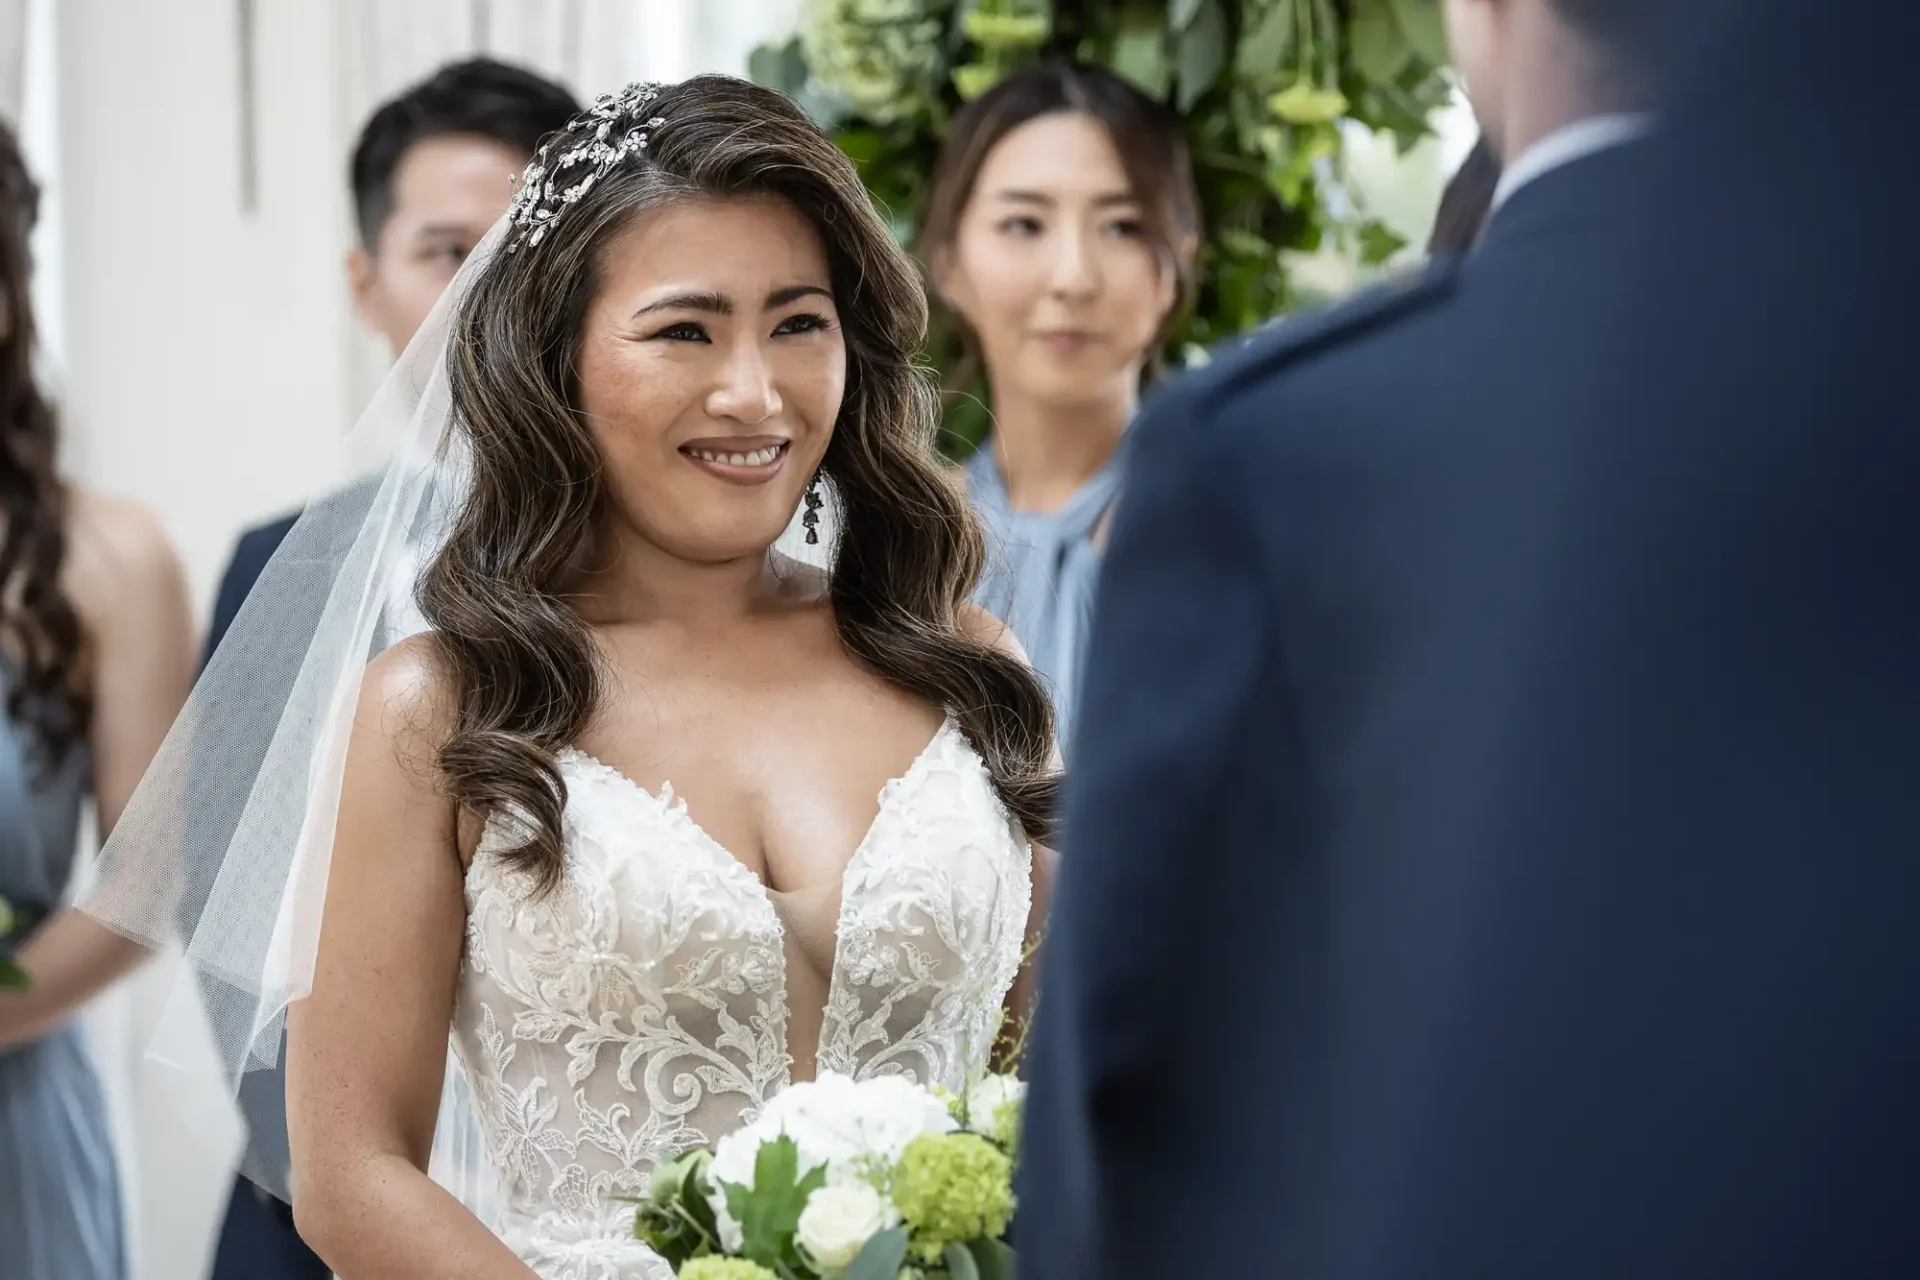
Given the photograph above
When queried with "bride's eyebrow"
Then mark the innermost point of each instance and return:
(720, 304)
(715, 303)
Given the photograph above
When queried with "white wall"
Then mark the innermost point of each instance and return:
(205, 346)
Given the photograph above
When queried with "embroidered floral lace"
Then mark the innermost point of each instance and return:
(640, 1009)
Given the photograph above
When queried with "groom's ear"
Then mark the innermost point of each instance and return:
(362, 285)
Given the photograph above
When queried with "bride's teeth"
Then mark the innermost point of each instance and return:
(758, 458)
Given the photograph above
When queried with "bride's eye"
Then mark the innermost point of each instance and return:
(806, 322)
(685, 331)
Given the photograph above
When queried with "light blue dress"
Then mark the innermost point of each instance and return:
(1041, 571)
(59, 1189)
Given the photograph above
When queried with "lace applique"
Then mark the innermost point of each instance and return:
(639, 1010)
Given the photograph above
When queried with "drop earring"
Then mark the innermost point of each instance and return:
(811, 520)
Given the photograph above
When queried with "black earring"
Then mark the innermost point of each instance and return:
(811, 520)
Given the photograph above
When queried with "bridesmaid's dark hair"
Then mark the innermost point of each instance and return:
(1466, 202)
(522, 661)
(39, 629)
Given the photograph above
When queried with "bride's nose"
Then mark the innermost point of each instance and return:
(746, 392)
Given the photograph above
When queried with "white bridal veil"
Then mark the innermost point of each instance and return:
(226, 844)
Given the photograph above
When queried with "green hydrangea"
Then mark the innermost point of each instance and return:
(952, 1188)
(882, 56)
(724, 1269)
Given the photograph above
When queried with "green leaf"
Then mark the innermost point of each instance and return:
(862, 146)
(779, 66)
(1425, 30)
(960, 1264)
(1262, 52)
(1380, 52)
(992, 1259)
(1140, 53)
(12, 976)
(1180, 14)
(1379, 242)
(770, 1212)
(1203, 51)
(881, 1258)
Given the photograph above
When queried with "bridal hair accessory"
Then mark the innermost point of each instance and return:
(617, 131)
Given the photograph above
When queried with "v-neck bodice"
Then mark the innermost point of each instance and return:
(640, 1008)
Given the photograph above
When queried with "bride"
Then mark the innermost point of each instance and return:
(654, 818)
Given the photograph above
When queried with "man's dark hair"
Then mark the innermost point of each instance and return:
(481, 97)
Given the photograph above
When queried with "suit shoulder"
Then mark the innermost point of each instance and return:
(1296, 340)
(258, 544)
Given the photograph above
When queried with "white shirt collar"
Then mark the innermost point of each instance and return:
(1569, 143)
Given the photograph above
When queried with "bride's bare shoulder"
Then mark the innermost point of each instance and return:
(406, 710)
(977, 624)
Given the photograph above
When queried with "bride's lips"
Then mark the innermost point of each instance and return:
(739, 459)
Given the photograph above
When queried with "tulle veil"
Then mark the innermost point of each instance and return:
(225, 846)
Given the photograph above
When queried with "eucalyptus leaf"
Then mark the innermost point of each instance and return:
(1180, 13)
(12, 976)
(960, 1263)
(992, 1259)
(1380, 52)
(881, 1258)
(764, 66)
(1424, 28)
(1263, 52)
(1203, 51)
(1140, 53)
(779, 66)
(1379, 242)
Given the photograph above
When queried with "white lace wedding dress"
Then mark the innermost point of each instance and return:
(640, 1009)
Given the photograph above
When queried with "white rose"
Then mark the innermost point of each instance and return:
(838, 1222)
(852, 1128)
(993, 1106)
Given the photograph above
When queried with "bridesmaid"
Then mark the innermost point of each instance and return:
(96, 655)
(1060, 234)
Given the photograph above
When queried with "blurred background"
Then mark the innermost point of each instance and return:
(199, 341)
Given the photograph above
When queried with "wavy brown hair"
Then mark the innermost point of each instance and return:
(522, 662)
(39, 628)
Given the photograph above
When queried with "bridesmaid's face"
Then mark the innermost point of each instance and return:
(711, 371)
(1051, 267)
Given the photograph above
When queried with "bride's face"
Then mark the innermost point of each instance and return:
(711, 370)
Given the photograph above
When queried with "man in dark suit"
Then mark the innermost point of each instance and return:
(430, 175)
(1492, 853)
(1295, 690)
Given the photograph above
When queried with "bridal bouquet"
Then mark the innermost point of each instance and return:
(844, 1180)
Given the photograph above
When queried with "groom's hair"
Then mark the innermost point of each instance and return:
(479, 97)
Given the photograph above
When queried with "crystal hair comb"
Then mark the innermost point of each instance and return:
(596, 141)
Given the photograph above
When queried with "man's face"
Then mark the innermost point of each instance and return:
(447, 192)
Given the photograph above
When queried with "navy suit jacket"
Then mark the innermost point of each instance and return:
(1491, 851)
(262, 1093)
(250, 556)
